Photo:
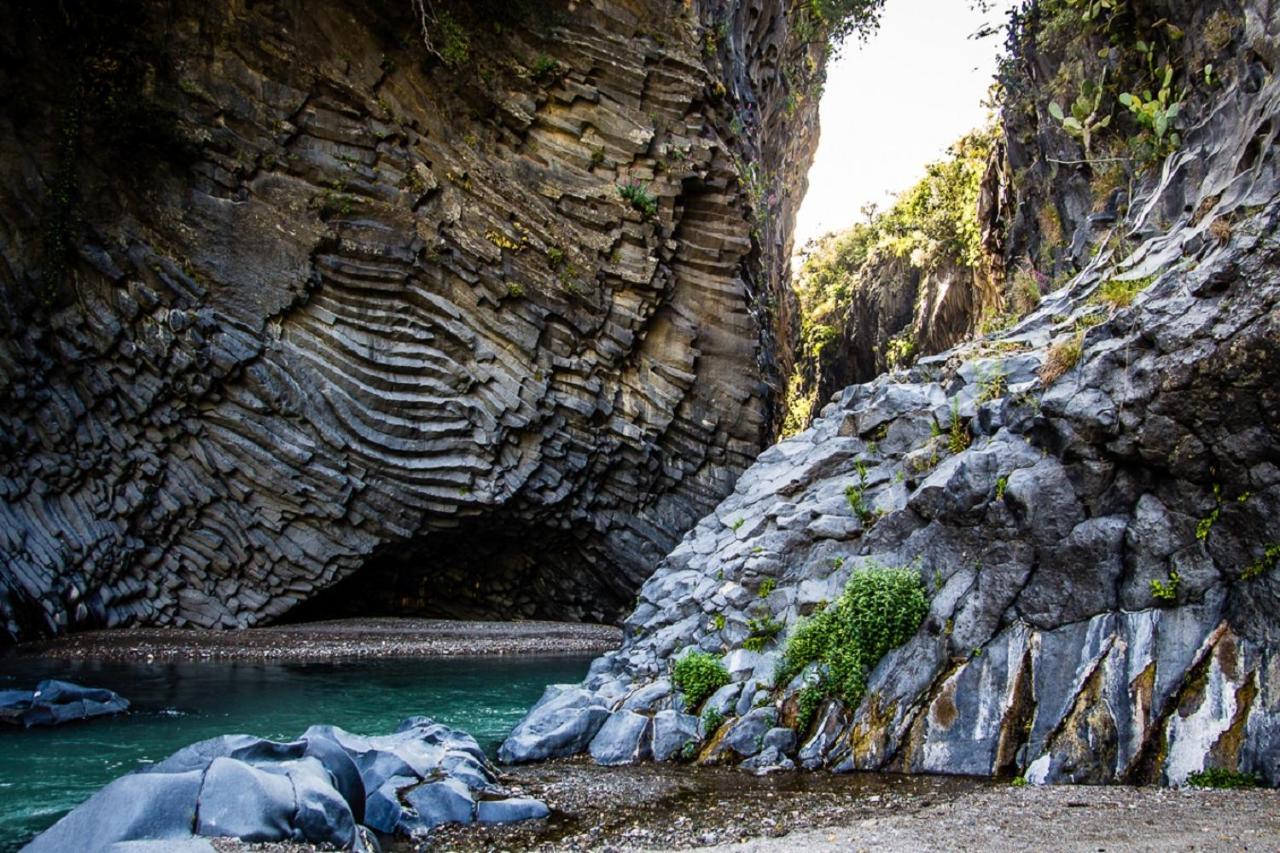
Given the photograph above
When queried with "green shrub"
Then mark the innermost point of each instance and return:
(697, 675)
(1216, 777)
(880, 609)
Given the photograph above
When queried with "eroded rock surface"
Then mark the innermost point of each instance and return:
(1100, 546)
(285, 298)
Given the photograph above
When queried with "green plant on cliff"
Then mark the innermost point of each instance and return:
(1268, 561)
(761, 630)
(640, 198)
(697, 675)
(1167, 590)
(881, 608)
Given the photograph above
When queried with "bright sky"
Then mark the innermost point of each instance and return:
(895, 104)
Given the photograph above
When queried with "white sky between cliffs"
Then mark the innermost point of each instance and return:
(894, 104)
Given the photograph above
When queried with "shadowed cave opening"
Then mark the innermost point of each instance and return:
(484, 570)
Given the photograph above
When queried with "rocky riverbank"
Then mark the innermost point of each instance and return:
(657, 807)
(321, 641)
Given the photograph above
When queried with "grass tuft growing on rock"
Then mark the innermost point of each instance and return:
(697, 675)
(1062, 356)
(880, 609)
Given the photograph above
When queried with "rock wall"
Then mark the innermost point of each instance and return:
(1091, 499)
(287, 300)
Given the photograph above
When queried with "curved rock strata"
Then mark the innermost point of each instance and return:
(287, 299)
(329, 787)
(1097, 532)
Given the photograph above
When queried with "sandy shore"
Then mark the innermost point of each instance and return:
(345, 638)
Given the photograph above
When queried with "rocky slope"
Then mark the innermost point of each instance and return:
(1089, 497)
(286, 297)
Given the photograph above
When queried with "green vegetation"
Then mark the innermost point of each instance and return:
(1019, 782)
(958, 437)
(762, 629)
(1167, 590)
(1063, 355)
(1263, 564)
(1001, 484)
(992, 385)
(880, 609)
(1120, 293)
(640, 198)
(1217, 777)
(767, 586)
(737, 524)
(697, 675)
(936, 219)
(1204, 525)
(544, 67)
(718, 621)
(807, 703)
(712, 720)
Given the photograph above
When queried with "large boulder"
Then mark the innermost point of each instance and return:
(563, 724)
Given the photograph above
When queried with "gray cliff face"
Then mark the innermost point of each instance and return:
(1048, 651)
(286, 299)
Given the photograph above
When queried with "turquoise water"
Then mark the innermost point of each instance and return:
(45, 772)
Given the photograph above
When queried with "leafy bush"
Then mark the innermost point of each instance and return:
(880, 609)
(697, 675)
(1217, 777)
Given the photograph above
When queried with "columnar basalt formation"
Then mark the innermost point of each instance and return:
(286, 297)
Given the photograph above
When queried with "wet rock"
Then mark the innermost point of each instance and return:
(56, 702)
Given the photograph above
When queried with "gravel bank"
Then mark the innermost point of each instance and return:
(345, 638)
(1074, 819)
(728, 811)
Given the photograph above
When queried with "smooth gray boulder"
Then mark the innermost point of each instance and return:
(625, 738)
(561, 725)
(746, 737)
(436, 803)
(671, 731)
(140, 806)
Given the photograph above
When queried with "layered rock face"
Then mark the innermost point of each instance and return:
(286, 298)
(1091, 499)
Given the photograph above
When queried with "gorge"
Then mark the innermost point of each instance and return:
(372, 308)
